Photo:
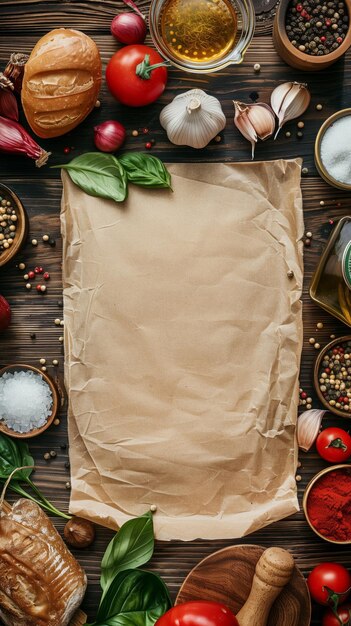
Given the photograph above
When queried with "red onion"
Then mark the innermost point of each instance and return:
(8, 104)
(109, 136)
(14, 139)
(129, 28)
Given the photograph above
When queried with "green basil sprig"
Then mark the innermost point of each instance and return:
(145, 170)
(131, 547)
(131, 597)
(134, 597)
(98, 175)
(13, 455)
(106, 176)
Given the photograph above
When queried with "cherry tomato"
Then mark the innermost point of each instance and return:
(344, 614)
(132, 84)
(201, 613)
(332, 575)
(334, 445)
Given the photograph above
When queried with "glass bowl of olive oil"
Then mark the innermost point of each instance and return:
(202, 36)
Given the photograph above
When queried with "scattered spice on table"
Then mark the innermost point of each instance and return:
(335, 150)
(335, 377)
(25, 400)
(329, 505)
(317, 27)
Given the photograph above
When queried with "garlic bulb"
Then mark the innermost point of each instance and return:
(308, 425)
(288, 101)
(192, 119)
(255, 121)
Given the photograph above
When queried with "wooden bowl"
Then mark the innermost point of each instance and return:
(22, 225)
(294, 57)
(317, 150)
(312, 482)
(226, 576)
(317, 366)
(55, 401)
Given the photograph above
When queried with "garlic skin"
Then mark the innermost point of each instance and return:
(192, 119)
(288, 101)
(255, 121)
(308, 425)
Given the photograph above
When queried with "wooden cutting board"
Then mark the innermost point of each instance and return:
(79, 618)
(226, 577)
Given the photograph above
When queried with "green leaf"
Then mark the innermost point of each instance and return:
(145, 170)
(134, 597)
(98, 174)
(12, 455)
(131, 547)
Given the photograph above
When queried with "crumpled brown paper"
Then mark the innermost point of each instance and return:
(182, 341)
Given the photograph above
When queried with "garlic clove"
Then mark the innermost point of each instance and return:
(262, 118)
(255, 121)
(308, 425)
(289, 100)
(242, 122)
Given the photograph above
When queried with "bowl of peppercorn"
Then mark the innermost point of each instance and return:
(312, 34)
(13, 224)
(332, 376)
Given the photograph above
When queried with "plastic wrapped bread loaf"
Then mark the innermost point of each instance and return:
(41, 583)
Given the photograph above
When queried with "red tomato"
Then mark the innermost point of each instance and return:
(201, 613)
(344, 614)
(124, 82)
(334, 445)
(332, 575)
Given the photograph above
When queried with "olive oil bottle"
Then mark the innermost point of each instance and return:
(199, 30)
(331, 283)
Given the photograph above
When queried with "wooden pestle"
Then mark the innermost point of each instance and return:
(273, 571)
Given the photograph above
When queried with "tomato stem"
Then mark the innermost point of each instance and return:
(144, 69)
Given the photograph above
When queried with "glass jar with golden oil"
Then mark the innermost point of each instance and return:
(331, 283)
(199, 30)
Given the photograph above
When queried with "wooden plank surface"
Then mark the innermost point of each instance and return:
(22, 22)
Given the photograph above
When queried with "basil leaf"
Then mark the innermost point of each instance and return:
(131, 547)
(145, 170)
(98, 175)
(134, 594)
(14, 454)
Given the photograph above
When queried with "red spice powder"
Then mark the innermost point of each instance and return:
(329, 505)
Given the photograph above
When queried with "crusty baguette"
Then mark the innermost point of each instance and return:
(61, 82)
(41, 583)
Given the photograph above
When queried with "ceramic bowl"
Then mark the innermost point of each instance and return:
(245, 29)
(310, 485)
(22, 225)
(317, 367)
(317, 150)
(294, 57)
(55, 401)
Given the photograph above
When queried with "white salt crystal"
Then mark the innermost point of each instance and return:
(336, 150)
(25, 400)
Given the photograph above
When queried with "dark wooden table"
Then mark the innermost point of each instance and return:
(22, 22)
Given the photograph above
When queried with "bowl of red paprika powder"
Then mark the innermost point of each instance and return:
(327, 504)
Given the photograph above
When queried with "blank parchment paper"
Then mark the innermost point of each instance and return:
(183, 337)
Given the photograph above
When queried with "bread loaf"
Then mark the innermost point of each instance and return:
(61, 82)
(41, 583)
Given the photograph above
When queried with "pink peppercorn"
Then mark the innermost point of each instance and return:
(46, 276)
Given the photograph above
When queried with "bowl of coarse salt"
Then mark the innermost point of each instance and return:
(28, 401)
(332, 150)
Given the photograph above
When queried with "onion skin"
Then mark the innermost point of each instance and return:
(129, 28)
(109, 136)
